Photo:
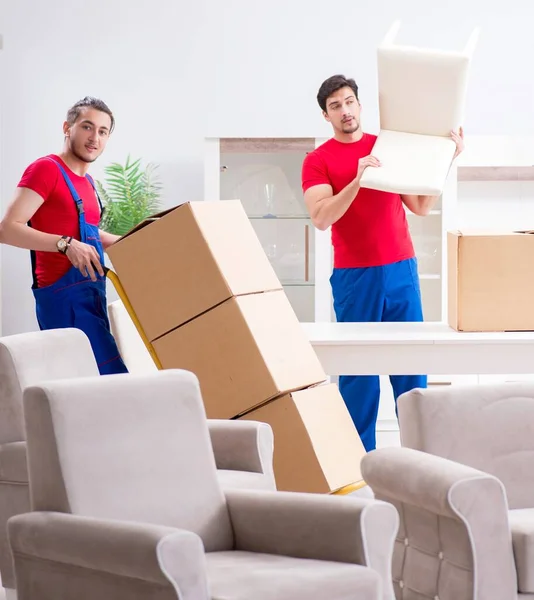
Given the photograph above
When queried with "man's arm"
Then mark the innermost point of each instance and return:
(13, 227)
(108, 239)
(324, 207)
(419, 205)
(14, 231)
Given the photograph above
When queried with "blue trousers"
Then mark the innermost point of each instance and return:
(373, 294)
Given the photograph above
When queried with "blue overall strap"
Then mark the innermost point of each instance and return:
(91, 181)
(74, 193)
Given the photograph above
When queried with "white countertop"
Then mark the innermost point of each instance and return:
(355, 334)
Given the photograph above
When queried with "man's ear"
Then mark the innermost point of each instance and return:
(66, 129)
(326, 117)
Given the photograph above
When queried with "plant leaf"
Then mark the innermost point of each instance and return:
(130, 194)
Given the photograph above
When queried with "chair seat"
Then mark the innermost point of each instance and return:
(411, 163)
(13, 466)
(522, 526)
(246, 576)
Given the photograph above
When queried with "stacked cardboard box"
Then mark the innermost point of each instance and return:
(210, 302)
(490, 280)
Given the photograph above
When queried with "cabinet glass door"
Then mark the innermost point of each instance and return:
(427, 237)
(265, 175)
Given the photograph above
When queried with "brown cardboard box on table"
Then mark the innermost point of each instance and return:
(316, 446)
(210, 302)
(491, 281)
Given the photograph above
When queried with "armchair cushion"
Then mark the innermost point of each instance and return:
(247, 576)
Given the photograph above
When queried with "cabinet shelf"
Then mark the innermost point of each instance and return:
(289, 283)
(432, 213)
(279, 217)
(496, 173)
(266, 145)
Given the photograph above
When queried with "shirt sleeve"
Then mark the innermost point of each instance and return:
(41, 177)
(314, 172)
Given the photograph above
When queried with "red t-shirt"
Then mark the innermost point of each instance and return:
(58, 214)
(374, 230)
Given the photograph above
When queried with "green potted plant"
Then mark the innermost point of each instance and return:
(129, 194)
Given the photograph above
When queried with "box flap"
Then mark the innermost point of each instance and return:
(150, 220)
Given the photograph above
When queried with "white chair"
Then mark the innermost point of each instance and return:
(422, 95)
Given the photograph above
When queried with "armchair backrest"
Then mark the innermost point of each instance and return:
(126, 447)
(28, 358)
(488, 427)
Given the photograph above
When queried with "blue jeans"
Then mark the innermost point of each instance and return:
(374, 294)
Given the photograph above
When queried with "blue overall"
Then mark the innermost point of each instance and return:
(372, 294)
(76, 301)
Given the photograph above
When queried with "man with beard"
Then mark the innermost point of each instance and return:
(55, 214)
(375, 275)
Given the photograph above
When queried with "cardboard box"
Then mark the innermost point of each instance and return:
(186, 260)
(316, 446)
(490, 281)
(244, 351)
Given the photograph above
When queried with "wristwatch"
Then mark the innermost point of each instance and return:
(63, 244)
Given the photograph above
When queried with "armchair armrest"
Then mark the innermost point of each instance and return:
(454, 530)
(333, 528)
(145, 552)
(242, 445)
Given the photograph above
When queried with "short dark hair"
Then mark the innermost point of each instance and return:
(333, 84)
(89, 102)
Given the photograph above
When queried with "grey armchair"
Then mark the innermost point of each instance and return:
(243, 450)
(464, 487)
(128, 505)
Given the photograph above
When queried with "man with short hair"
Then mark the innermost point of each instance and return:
(55, 214)
(375, 275)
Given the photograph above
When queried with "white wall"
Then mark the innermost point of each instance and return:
(178, 71)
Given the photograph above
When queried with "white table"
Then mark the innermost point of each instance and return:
(413, 348)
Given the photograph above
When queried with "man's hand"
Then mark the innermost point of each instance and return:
(458, 139)
(85, 258)
(363, 163)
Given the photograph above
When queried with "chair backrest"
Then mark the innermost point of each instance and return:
(134, 353)
(488, 427)
(126, 447)
(422, 90)
(27, 359)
